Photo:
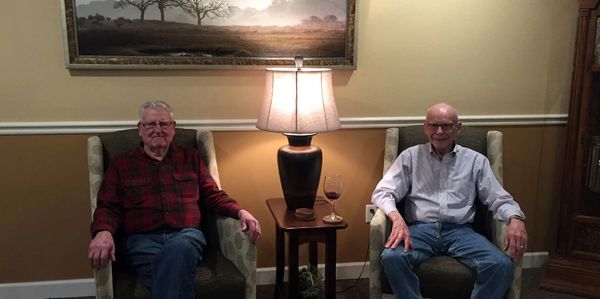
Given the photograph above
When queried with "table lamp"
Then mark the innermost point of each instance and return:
(299, 103)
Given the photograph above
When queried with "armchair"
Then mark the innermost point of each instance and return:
(440, 277)
(229, 266)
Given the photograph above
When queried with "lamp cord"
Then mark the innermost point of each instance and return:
(361, 272)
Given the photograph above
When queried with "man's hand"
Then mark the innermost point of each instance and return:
(101, 248)
(250, 224)
(516, 238)
(399, 233)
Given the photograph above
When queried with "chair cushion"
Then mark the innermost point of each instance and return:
(470, 137)
(440, 277)
(443, 277)
(216, 277)
(115, 143)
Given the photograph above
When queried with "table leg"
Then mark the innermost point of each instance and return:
(330, 244)
(279, 261)
(293, 245)
(313, 254)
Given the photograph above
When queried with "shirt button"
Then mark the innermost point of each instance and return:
(166, 213)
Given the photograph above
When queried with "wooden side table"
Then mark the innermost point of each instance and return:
(300, 232)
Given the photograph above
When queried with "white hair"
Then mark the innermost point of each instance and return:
(157, 104)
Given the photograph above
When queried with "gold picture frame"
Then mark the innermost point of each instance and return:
(97, 37)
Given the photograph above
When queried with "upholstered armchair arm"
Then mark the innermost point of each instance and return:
(235, 244)
(494, 154)
(499, 234)
(103, 280)
(495, 149)
(206, 146)
(390, 154)
(102, 277)
(95, 168)
(237, 248)
(378, 229)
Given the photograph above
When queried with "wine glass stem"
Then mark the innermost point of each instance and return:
(333, 209)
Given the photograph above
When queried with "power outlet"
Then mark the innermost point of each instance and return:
(370, 212)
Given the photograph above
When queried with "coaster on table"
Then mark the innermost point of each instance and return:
(335, 220)
(304, 214)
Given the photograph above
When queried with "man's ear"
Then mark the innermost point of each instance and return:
(459, 127)
(139, 127)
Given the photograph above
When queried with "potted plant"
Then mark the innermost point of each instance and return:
(310, 281)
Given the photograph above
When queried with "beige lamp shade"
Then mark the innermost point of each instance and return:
(298, 101)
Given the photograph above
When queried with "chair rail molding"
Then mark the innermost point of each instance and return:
(93, 127)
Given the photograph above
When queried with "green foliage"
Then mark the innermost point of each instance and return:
(97, 17)
(310, 281)
(81, 21)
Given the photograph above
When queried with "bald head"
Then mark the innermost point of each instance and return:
(442, 109)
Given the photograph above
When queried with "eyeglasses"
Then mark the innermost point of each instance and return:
(152, 124)
(434, 127)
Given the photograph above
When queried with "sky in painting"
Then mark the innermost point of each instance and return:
(243, 12)
(257, 4)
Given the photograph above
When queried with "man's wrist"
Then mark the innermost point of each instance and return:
(518, 217)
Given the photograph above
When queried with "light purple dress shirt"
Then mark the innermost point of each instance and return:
(443, 190)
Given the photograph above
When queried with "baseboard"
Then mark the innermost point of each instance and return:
(48, 289)
(264, 276)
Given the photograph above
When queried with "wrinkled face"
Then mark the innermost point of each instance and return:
(441, 127)
(156, 129)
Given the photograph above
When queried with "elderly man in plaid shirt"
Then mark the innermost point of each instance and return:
(151, 193)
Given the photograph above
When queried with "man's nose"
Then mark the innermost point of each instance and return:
(439, 130)
(157, 129)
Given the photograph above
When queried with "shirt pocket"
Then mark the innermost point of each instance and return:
(137, 192)
(186, 185)
(461, 194)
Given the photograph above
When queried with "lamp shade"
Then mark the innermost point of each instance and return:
(298, 101)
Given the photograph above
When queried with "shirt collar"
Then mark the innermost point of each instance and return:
(145, 155)
(454, 151)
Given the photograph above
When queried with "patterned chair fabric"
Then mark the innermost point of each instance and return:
(440, 277)
(229, 266)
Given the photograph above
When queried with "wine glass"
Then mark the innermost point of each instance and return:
(332, 187)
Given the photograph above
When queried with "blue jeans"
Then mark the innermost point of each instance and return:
(165, 260)
(493, 267)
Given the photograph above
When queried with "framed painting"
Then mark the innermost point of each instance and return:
(184, 34)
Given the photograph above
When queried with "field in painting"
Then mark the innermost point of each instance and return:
(155, 38)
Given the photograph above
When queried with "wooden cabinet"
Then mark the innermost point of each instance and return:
(574, 266)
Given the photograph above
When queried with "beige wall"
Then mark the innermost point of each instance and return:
(485, 57)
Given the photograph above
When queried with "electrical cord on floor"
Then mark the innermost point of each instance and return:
(360, 274)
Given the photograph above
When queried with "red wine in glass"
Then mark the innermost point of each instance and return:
(332, 195)
(332, 187)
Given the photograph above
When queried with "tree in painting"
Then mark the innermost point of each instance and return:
(202, 9)
(163, 5)
(142, 5)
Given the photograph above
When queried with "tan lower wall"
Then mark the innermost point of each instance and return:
(44, 208)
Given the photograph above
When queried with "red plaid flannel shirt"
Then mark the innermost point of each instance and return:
(141, 194)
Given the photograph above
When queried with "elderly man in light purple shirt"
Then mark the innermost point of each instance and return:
(439, 182)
